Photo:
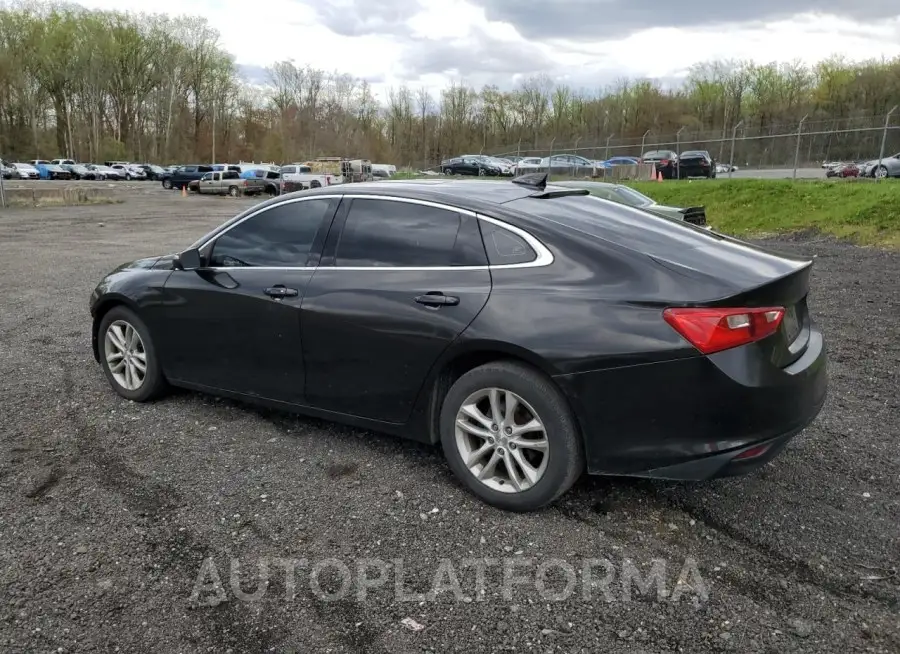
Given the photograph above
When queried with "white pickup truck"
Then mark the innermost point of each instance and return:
(297, 177)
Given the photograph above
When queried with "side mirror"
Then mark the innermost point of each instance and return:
(188, 260)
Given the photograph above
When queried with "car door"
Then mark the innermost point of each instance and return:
(206, 183)
(399, 281)
(234, 324)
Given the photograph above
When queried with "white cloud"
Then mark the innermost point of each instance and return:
(417, 51)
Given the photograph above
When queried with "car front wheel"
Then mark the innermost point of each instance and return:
(128, 357)
(510, 436)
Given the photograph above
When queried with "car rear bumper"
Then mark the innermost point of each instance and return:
(690, 418)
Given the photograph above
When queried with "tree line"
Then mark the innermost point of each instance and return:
(94, 85)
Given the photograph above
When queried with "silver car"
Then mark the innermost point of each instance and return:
(889, 167)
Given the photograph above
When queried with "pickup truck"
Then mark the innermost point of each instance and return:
(227, 182)
(183, 175)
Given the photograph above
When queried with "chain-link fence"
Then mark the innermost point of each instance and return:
(805, 144)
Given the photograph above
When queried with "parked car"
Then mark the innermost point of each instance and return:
(106, 172)
(183, 175)
(270, 174)
(470, 165)
(623, 161)
(63, 162)
(843, 170)
(722, 168)
(7, 171)
(631, 198)
(79, 171)
(227, 182)
(536, 332)
(561, 164)
(665, 161)
(49, 170)
(695, 163)
(888, 167)
(130, 171)
(154, 173)
(25, 171)
(299, 176)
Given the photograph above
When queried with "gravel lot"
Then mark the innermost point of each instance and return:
(110, 509)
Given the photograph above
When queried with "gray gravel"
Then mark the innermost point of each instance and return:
(111, 508)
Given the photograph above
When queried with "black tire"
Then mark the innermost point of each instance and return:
(154, 382)
(315, 184)
(448, 171)
(167, 184)
(565, 455)
(234, 191)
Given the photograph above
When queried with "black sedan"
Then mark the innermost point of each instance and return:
(696, 163)
(666, 162)
(536, 332)
(479, 166)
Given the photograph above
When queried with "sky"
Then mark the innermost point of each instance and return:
(585, 43)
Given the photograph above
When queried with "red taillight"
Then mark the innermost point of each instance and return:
(712, 329)
(664, 162)
(752, 453)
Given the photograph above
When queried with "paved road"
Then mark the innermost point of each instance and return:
(115, 513)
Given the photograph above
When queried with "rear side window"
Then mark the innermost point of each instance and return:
(504, 247)
(230, 174)
(188, 169)
(390, 234)
(287, 170)
(280, 237)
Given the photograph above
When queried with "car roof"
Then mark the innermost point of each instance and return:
(472, 194)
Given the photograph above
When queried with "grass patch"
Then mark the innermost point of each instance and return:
(866, 212)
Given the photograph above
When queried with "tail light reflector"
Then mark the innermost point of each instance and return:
(752, 453)
(713, 329)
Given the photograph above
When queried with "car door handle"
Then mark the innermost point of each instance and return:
(281, 291)
(437, 300)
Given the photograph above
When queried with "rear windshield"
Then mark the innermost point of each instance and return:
(695, 153)
(633, 228)
(658, 154)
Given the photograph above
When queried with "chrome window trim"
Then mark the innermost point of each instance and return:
(543, 256)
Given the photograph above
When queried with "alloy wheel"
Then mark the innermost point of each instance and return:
(502, 440)
(125, 355)
(881, 172)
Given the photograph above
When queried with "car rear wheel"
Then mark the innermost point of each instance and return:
(167, 184)
(128, 356)
(510, 437)
(233, 191)
(881, 172)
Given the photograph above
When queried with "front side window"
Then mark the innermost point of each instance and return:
(391, 234)
(280, 237)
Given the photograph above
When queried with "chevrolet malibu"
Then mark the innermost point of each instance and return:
(534, 331)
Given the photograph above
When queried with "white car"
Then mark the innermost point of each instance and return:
(558, 162)
(26, 171)
(130, 171)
